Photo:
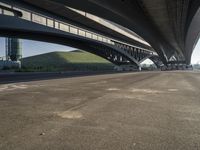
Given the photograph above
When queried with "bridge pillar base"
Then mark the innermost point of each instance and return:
(177, 67)
(140, 68)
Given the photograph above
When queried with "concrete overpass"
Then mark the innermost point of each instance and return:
(171, 27)
(25, 21)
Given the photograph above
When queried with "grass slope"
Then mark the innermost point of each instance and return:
(66, 61)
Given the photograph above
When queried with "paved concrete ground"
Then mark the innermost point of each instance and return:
(151, 111)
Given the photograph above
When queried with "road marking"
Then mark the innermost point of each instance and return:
(148, 91)
(113, 89)
(11, 87)
(70, 114)
(173, 90)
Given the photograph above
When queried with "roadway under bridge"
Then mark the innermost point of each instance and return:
(126, 111)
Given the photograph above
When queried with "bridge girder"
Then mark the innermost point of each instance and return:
(132, 17)
(16, 27)
(169, 26)
(65, 14)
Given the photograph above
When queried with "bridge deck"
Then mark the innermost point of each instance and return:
(157, 110)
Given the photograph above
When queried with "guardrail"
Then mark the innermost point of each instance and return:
(15, 12)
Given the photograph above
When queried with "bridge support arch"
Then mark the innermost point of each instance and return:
(114, 51)
(155, 59)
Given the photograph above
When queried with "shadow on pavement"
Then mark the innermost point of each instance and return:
(6, 78)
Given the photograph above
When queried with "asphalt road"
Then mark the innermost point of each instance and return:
(132, 111)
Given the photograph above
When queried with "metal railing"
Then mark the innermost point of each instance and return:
(51, 22)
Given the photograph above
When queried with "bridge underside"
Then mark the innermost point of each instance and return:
(117, 54)
(65, 14)
(171, 27)
(80, 19)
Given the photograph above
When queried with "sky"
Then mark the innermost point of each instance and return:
(31, 48)
(196, 54)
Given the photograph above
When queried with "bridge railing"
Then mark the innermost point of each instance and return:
(53, 23)
(60, 25)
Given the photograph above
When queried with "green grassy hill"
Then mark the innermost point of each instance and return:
(66, 61)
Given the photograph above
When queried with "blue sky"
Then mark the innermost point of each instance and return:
(31, 48)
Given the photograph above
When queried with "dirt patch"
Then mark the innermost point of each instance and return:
(70, 114)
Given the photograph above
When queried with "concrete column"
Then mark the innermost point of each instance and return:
(140, 68)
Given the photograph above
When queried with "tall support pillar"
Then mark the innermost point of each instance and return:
(14, 50)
